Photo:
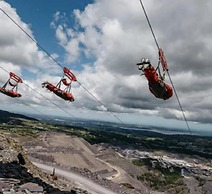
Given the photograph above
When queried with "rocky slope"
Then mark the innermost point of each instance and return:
(75, 154)
(23, 141)
(19, 175)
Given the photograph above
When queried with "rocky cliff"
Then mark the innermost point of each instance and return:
(19, 175)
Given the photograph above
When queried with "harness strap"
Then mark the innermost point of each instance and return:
(163, 62)
(162, 59)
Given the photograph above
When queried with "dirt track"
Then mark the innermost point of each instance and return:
(69, 152)
(89, 185)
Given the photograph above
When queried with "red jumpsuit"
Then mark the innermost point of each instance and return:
(10, 93)
(156, 84)
(63, 94)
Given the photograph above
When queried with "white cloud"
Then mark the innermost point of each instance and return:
(12, 40)
(16, 47)
(19, 54)
(109, 39)
(116, 34)
(61, 35)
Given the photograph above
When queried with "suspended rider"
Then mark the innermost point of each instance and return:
(157, 85)
(12, 82)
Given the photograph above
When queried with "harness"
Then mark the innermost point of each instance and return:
(162, 61)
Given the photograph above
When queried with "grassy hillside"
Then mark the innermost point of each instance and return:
(8, 117)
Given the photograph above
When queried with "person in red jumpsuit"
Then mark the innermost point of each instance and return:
(10, 93)
(157, 86)
(61, 93)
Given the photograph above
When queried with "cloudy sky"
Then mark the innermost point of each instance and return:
(101, 41)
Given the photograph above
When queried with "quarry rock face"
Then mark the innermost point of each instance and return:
(19, 175)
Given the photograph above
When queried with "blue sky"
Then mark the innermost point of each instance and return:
(39, 15)
(100, 42)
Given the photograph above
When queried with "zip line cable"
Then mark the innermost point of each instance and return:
(100, 103)
(150, 26)
(31, 37)
(22, 102)
(179, 103)
(57, 64)
(175, 91)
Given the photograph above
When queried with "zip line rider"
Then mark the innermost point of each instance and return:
(157, 86)
(13, 82)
